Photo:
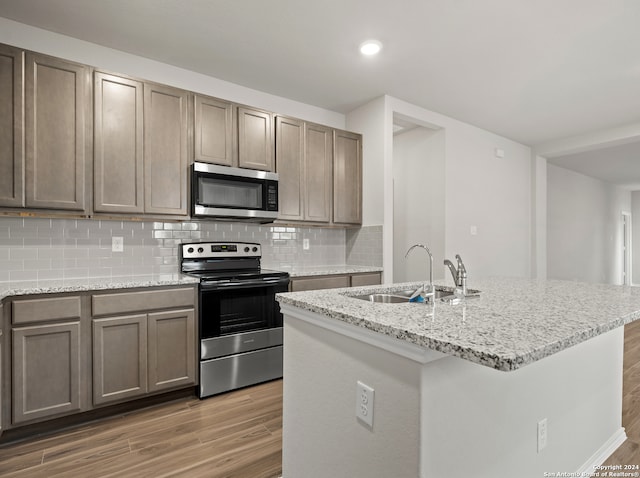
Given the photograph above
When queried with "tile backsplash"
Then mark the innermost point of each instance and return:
(39, 249)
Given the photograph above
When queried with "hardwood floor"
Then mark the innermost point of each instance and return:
(234, 435)
(629, 452)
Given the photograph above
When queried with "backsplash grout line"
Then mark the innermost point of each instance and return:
(37, 249)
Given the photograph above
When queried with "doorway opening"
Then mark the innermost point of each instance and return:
(418, 188)
(626, 249)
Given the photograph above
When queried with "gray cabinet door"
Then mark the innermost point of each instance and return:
(119, 358)
(255, 139)
(46, 371)
(214, 131)
(290, 168)
(369, 278)
(318, 168)
(1, 382)
(165, 150)
(347, 178)
(316, 283)
(118, 136)
(56, 125)
(11, 132)
(172, 349)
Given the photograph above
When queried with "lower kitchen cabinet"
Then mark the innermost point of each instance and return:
(141, 348)
(57, 351)
(333, 281)
(1, 382)
(172, 352)
(368, 278)
(119, 358)
(46, 371)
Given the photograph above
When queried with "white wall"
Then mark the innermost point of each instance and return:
(635, 237)
(431, 412)
(322, 368)
(369, 120)
(538, 217)
(418, 172)
(584, 227)
(42, 41)
(493, 194)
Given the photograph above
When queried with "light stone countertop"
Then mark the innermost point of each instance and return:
(8, 289)
(514, 322)
(309, 271)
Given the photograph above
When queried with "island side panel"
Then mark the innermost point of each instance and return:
(483, 423)
(321, 435)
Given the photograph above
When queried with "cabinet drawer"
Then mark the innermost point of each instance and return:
(315, 283)
(39, 310)
(359, 280)
(109, 304)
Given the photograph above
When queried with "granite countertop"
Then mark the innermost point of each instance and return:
(514, 322)
(54, 286)
(308, 271)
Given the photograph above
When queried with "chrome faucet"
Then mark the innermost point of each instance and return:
(459, 275)
(428, 290)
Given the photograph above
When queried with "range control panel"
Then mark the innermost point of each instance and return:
(206, 250)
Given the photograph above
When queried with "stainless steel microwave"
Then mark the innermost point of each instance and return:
(223, 192)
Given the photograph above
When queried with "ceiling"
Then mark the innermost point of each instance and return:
(619, 165)
(532, 71)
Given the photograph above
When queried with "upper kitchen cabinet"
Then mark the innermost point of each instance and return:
(140, 157)
(165, 150)
(347, 178)
(290, 166)
(318, 172)
(214, 131)
(57, 132)
(304, 163)
(11, 133)
(232, 135)
(255, 139)
(118, 145)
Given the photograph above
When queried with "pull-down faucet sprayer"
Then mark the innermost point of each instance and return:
(430, 289)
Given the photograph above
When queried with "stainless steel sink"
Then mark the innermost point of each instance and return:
(383, 298)
(399, 297)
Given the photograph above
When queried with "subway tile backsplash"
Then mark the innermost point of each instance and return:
(39, 249)
(364, 246)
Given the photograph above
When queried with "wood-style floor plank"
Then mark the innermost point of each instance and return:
(234, 435)
(237, 434)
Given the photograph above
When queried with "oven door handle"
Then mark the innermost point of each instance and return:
(243, 284)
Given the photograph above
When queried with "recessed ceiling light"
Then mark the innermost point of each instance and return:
(370, 47)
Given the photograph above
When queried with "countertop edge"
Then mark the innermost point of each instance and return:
(97, 284)
(517, 358)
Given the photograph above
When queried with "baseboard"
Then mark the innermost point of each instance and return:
(604, 452)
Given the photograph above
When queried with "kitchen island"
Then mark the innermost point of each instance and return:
(525, 380)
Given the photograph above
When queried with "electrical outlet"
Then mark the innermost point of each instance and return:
(542, 434)
(117, 244)
(364, 403)
(305, 244)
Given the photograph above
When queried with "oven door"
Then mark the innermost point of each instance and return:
(240, 316)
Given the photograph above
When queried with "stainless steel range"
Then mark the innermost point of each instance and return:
(240, 320)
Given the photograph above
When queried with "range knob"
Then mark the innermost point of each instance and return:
(246, 249)
(200, 250)
(190, 250)
(255, 249)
